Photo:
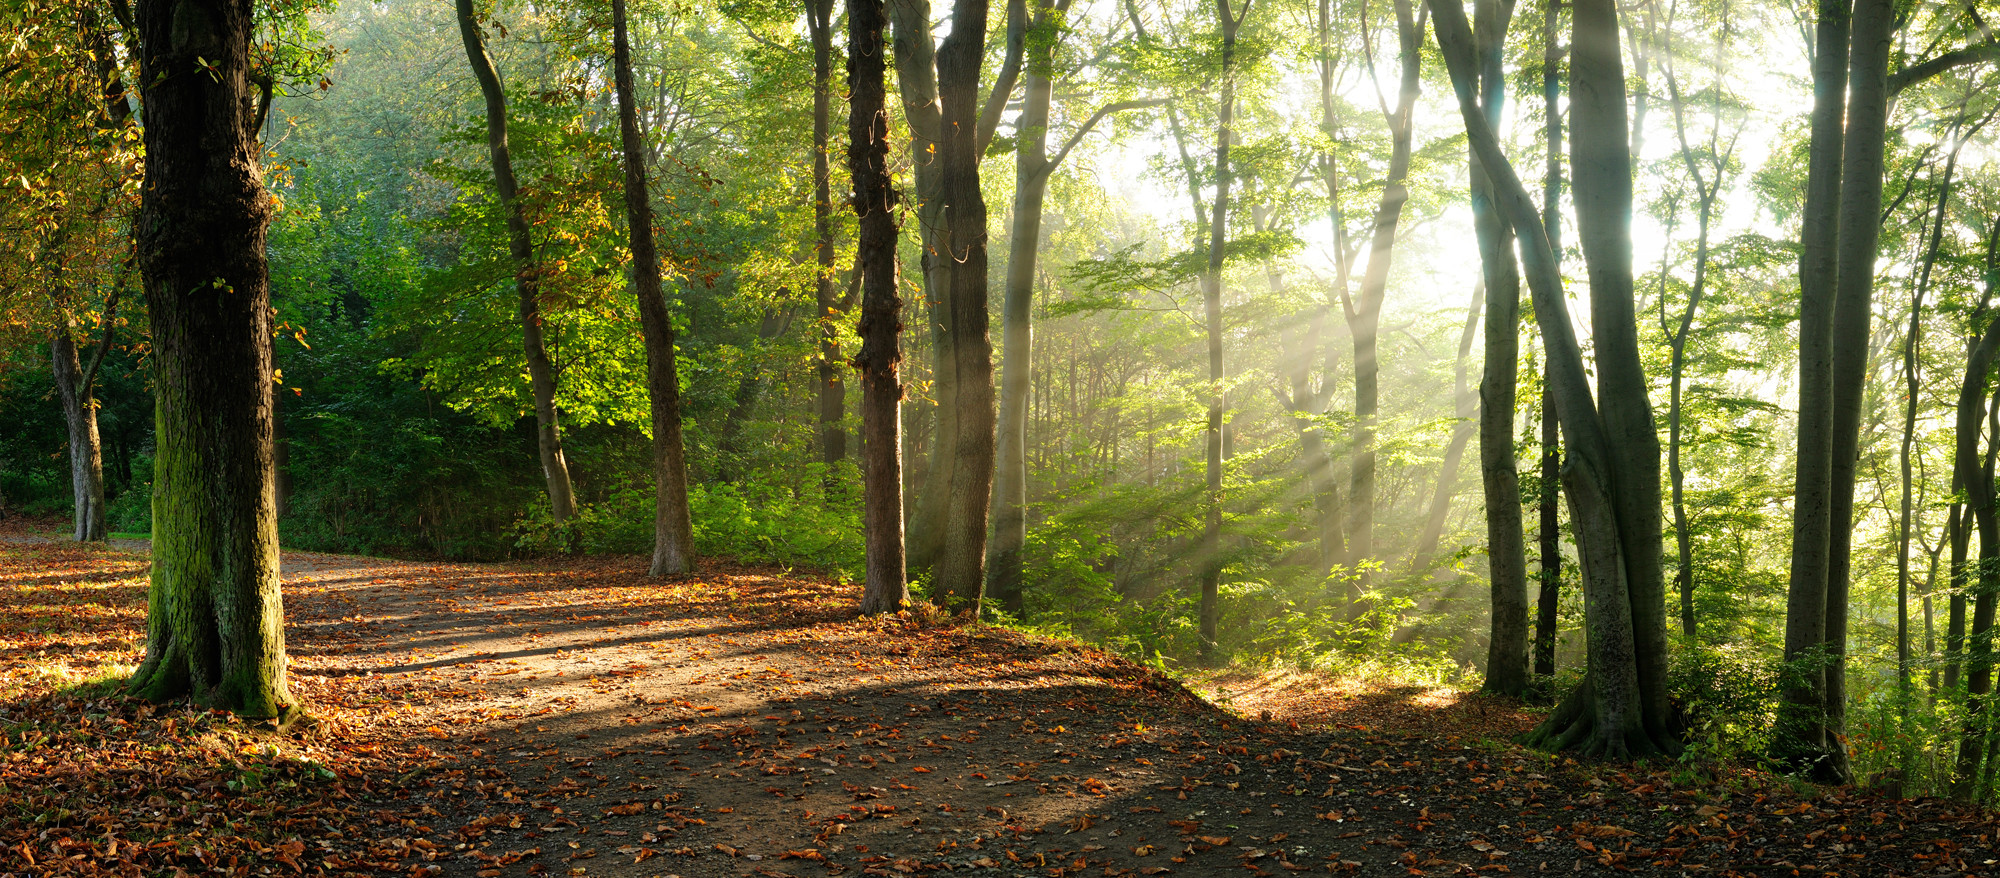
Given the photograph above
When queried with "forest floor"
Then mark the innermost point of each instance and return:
(573, 717)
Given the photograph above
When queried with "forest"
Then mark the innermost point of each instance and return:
(1629, 361)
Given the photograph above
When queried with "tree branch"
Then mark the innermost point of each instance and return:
(1106, 110)
(1952, 60)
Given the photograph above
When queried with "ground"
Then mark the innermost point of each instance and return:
(573, 717)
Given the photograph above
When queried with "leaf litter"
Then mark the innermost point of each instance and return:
(573, 717)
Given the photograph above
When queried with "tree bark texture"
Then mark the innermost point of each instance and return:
(1548, 598)
(527, 273)
(1031, 185)
(916, 80)
(884, 588)
(673, 525)
(1802, 734)
(214, 622)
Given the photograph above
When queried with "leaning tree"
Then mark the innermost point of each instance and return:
(1612, 481)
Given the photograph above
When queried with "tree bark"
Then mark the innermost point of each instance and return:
(214, 622)
(673, 526)
(1979, 649)
(826, 297)
(884, 588)
(1210, 558)
(527, 273)
(959, 575)
(1507, 644)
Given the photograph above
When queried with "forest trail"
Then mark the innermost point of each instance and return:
(575, 718)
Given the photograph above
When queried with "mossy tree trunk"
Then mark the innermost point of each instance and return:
(214, 624)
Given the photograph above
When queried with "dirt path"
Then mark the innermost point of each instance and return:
(575, 718)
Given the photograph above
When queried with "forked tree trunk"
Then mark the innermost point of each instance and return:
(527, 274)
(1364, 319)
(826, 299)
(959, 575)
(86, 454)
(1210, 559)
(673, 526)
(1620, 710)
(884, 588)
(920, 80)
(1836, 275)
(1506, 551)
(214, 621)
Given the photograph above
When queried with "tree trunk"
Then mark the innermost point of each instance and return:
(1364, 319)
(1315, 454)
(916, 79)
(1853, 318)
(214, 622)
(1549, 597)
(527, 274)
(1210, 557)
(673, 526)
(1507, 645)
(1031, 183)
(1466, 407)
(1620, 711)
(1979, 650)
(86, 455)
(832, 392)
(959, 575)
(884, 589)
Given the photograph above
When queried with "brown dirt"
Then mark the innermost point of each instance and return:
(576, 718)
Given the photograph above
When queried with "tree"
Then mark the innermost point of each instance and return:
(937, 526)
(215, 625)
(1620, 710)
(1507, 649)
(527, 273)
(673, 526)
(1364, 312)
(959, 574)
(885, 589)
(828, 307)
(1211, 297)
(1033, 165)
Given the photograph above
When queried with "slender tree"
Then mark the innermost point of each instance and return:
(885, 589)
(1210, 609)
(75, 388)
(527, 274)
(826, 299)
(214, 622)
(1506, 552)
(673, 526)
